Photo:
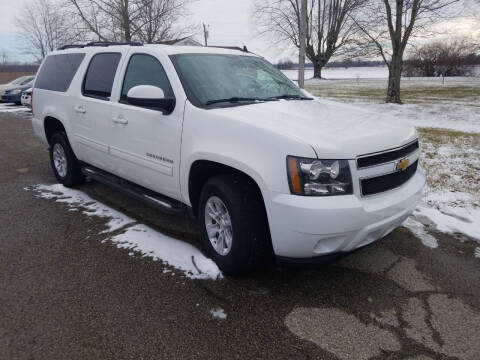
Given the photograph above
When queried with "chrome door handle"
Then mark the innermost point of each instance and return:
(120, 120)
(80, 109)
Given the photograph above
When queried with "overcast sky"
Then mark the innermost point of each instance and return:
(230, 24)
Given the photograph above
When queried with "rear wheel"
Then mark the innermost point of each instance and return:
(234, 226)
(64, 163)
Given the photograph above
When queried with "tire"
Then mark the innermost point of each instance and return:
(71, 175)
(18, 103)
(250, 241)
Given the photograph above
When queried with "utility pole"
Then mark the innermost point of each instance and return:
(303, 37)
(205, 33)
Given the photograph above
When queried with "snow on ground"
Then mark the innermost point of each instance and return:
(9, 108)
(452, 116)
(362, 72)
(218, 313)
(126, 233)
(418, 229)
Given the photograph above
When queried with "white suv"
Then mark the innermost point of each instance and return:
(264, 167)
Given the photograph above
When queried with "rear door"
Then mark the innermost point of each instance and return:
(92, 109)
(145, 143)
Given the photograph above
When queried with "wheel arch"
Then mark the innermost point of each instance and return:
(52, 125)
(201, 170)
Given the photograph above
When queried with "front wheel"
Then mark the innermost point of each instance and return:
(234, 226)
(64, 163)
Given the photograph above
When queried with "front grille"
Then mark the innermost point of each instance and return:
(387, 182)
(387, 156)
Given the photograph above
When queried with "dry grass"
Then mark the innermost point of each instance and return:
(413, 92)
(451, 160)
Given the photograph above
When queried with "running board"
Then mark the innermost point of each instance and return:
(150, 197)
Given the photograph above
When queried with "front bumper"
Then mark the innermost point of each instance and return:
(309, 227)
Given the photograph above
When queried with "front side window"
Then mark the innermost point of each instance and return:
(209, 78)
(145, 70)
(100, 75)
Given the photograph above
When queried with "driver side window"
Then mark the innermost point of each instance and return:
(145, 70)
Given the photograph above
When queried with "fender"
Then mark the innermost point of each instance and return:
(223, 160)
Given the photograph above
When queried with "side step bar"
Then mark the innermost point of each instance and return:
(150, 197)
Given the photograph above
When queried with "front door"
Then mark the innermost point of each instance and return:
(145, 143)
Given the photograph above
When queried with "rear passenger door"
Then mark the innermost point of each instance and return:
(145, 143)
(93, 112)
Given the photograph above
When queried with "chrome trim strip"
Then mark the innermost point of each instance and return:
(386, 151)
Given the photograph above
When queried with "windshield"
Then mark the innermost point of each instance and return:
(27, 80)
(229, 80)
(17, 81)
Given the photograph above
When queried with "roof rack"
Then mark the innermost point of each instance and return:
(73, 46)
(113, 43)
(99, 43)
(244, 49)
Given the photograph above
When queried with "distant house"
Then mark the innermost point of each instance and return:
(186, 41)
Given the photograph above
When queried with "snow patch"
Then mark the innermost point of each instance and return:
(179, 254)
(75, 199)
(218, 313)
(136, 238)
(10, 108)
(418, 229)
(477, 252)
(451, 219)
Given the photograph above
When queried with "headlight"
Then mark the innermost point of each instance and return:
(15, 92)
(313, 177)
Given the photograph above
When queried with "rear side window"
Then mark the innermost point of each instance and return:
(145, 70)
(57, 71)
(98, 81)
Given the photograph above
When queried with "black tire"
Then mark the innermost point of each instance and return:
(73, 176)
(18, 103)
(251, 245)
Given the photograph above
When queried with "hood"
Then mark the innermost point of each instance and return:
(334, 130)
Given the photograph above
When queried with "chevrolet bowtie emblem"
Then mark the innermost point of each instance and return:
(402, 164)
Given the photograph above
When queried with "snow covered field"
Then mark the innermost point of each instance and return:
(367, 72)
(447, 117)
(361, 72)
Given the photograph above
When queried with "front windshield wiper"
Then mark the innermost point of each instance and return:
(290, 97)
(236, 99)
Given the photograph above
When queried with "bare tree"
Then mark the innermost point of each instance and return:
(3, 57)
(330, 29)
(43, 26)
(132, 20)
(389, 25)
(442, 58)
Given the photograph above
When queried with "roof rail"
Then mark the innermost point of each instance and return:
(72, 46)
(244, 49)
(112, 43)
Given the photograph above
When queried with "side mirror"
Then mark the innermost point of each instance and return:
(150, 97)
